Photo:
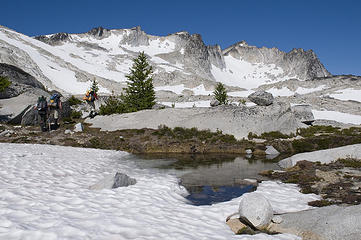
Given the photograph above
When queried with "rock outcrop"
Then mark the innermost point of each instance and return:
(261, 98)
(297, 62)
(20, 81)
(332, 222)
(234, 120)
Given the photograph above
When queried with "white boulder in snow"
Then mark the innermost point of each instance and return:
(256, 209)
(78, 127)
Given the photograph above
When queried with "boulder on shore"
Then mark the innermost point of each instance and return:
(261, 98)
(256, 209)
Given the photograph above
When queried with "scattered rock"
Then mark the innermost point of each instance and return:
(114, 181)
(270, 150)
(214, 103)
(256, 209)
(248, 151)
(261, 98)
(123, 180)
(277, 219)
(238, 227)
(68, 131)
(6, 133)
(78, 127)
(159, 106)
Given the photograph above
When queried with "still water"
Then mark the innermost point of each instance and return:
(210, 178)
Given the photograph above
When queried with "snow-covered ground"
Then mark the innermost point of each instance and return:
(337, 116)
(347, 94)
(44, 194)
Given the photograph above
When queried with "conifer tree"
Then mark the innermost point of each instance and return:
(94, 86)
(139, 93)
(220, 94)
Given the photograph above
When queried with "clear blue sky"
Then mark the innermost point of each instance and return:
(331, 28)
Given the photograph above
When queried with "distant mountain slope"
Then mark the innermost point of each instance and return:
(69, 62)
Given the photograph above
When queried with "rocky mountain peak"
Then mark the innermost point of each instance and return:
(98, 31)
(54, 39)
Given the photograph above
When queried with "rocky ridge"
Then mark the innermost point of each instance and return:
(179, 58)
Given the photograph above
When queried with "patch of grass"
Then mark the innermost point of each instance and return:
(350, 162)
(302, 146)
(311, 131)
(73, 101)
(181, 133)
(76, 114)
(275, 135)
(4, 83)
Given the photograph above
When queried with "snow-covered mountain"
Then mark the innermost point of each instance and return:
(69, 62)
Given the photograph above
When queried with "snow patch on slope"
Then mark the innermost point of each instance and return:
(347, 94)
(247, 75)
(337, 116)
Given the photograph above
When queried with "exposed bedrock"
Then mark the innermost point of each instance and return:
(238, 121)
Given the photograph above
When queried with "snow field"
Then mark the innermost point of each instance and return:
(246, 75)
(44, 194)
(347, 94)
(337, 116)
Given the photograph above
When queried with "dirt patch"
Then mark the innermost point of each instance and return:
(338, 182)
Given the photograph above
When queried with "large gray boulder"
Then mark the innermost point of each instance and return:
(123, 180)
(214, 103)
(303, 113)
(261, 98)
(256, 209)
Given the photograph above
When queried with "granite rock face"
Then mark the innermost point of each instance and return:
(20, 81)
(297, 62)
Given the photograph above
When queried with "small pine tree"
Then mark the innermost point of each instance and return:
(220, 94)
(4, 83)
(139, 93)
(94, 86)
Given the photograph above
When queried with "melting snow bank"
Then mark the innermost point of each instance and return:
(44, 194)
(324, 156)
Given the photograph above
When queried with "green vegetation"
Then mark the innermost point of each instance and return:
(311, 131)
(94, 87)
(270, 135)
(242, 102)
(4, 83)
(76, 114)
(220, 94)
(181, 133)
(74, 101)
(350, 162)
(139, 94)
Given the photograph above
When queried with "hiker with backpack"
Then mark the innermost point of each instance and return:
(42, 108)
(55, 106)
(90, 97)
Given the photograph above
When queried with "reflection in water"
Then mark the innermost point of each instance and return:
(207, 195)
(212, 178)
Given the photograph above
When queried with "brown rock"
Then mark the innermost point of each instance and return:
(238, 227)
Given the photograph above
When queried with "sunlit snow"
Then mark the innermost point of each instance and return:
(44, 194)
